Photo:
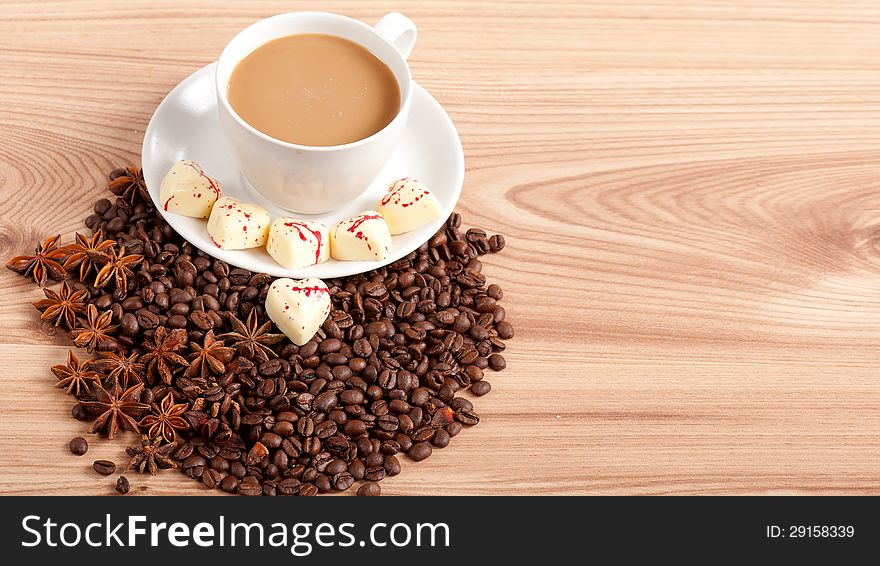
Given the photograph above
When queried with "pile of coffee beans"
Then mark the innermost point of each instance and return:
(382, 378)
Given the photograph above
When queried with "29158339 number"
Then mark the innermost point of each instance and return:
(821, 531)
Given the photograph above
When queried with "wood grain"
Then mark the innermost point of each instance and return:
(690, 193)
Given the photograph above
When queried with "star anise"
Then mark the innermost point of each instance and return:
(116, 409)
(95, 331)
(126, 371)
(117, 268)
(211, 357)
(151, 455)
(252, 341)
(44, 263)
(75, 377)
(87, 253)
(62, 306)
(128, 184)
(165, 419)
(162, 358)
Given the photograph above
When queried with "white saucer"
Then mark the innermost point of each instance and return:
(186, 126)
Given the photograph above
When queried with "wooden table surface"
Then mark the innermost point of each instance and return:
(690, 193)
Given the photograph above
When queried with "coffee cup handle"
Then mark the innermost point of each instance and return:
(399, 30)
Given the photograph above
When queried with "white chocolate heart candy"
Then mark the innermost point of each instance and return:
(298, 307)
(407, 205)
(188, 191)
(362, 237)
(235, 225)
(298, 243)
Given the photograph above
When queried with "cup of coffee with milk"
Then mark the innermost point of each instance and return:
(312, 104)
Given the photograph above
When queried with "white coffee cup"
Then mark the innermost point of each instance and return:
(316, 179)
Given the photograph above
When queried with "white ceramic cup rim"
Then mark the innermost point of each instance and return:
(222, 89)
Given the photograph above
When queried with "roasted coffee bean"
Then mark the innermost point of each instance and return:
(480, 388)
(78, 446)
(326, 401)
(496, 243)
(194, 466)
(229, 484)
(388, 423)
(392, 466)
(495, 292)
(342, 481)
(211, 478)
(237, 469)
(288, 486)
(322, 482)
(122, 485)
(104, 467)
(419, 451)
(305, 426)
(357, 469)
(375, 473)
(467, 418)
(201, 320)
(370, 489)
(129, 324)
(355, 427)
(441, 438)
(250, 486)
(79, 412)
(351, 397)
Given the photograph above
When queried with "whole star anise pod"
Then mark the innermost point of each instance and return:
(250, 340)
(116, 409)
(62, 306)
(44, 263)
(87, 253)
(95, 331)
(117, 268)
(211, 357)
(165, 419)
(128, 184)
(162, 358)
(75, 377)
(126, 371)
(151, 455)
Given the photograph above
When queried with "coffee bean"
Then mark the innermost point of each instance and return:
(79, 412)
(229, 484)
(201, 320)
(79, 446)
(212, 478)
(392, 466)
(370, 489)
(495, 292)
(249, 486)
(342, 481)
(497, 362)
(375, 473)
(325, 401)
(104, 467)
(122, 485)
(467, 418)
(453, 429)
(496, 243)
(505, 330)
(480, 388)
(322, 482)
(419, 451)
(101, 206)
(194, 466)
(441, 438)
